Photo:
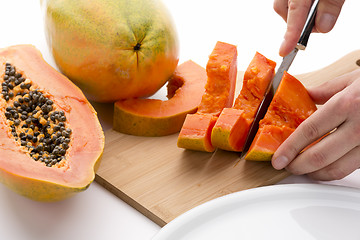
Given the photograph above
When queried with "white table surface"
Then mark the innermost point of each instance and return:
(251, 25)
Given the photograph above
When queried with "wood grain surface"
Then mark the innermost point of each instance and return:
(163, 181)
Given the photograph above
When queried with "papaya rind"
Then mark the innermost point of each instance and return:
(147, 126)
(40, 190)
(256, 155)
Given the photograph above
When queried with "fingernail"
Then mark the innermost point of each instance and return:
(281, 50)
(280, 162)
(326, 22)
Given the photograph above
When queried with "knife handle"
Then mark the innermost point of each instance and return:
(308, 27)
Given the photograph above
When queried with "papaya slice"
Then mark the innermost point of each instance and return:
(51, 139)
(290, 106)
(154, 117)
(233, 125)
(221, 72)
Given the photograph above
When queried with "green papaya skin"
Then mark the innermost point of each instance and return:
(112, 49)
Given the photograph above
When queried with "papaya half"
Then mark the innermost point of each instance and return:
(233, 124)
(154, 117)
(112, 49)
(290, 106)
(51, 139)
(221, 72)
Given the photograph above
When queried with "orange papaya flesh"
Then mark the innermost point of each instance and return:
(266, 141)
(221, 72)
(196, 132)
(154, 117)
(230, 130)
(52, 140)
(290, 106)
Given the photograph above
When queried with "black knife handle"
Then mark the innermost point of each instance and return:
(308, 27)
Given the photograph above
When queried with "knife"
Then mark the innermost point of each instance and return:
(285, 64)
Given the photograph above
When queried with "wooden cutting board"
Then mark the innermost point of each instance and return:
(163, 181)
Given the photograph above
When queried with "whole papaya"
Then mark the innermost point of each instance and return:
(112, 49)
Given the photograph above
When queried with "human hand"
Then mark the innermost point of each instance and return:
(337, 154)
(295, 13)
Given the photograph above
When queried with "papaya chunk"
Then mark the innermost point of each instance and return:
(290, 106)
(233, 124)
(267, 141)
(221, 72)
(154, 117)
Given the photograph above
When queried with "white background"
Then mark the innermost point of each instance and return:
(251, 25)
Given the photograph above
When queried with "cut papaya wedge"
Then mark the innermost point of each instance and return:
(154, 117)
(290, 106)
(221, 71)
(233, 125)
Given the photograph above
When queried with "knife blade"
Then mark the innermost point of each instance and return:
(285, 65)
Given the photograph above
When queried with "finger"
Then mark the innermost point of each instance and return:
(327, 14)
(325, 152)
(340, 168)
(322, 93)
(309, 131)
(297, 14)
(281, 8)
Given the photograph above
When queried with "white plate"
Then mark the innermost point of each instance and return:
(292, 211)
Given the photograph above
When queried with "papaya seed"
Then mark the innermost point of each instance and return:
(33, 119)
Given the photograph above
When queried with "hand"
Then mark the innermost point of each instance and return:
(295, 13)
(337, 154)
